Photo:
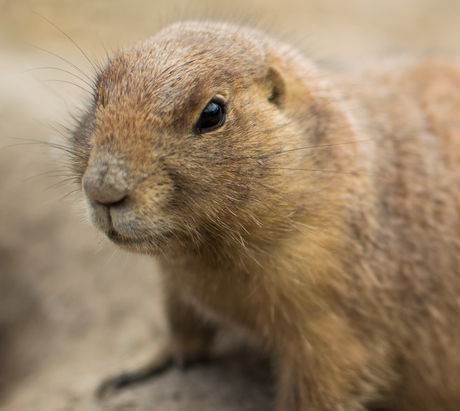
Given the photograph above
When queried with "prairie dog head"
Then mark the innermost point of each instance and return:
(180, 145)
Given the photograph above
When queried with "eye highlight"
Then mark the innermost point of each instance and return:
(212, 117)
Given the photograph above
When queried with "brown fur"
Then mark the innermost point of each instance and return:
(321, 220)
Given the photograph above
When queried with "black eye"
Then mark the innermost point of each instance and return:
(211, 117)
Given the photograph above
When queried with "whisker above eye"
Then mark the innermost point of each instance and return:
(62, 70)
(67, 82)
(95, 70)
(64, 60)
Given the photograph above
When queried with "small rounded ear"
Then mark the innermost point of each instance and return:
(276, 86)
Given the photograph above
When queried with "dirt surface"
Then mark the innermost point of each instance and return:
(73, 308)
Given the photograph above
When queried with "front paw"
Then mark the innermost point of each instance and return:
(171, 356)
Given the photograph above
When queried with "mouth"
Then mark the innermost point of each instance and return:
(119, 239)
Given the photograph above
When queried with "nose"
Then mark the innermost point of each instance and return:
(106, 181)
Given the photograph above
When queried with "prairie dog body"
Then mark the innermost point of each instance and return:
(318, 214)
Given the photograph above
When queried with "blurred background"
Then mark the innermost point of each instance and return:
(73, 308)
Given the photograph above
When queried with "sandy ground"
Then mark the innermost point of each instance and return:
(74, 309)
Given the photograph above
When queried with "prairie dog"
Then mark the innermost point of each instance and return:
(316, 214)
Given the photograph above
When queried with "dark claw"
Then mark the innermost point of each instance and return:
(184, 363)
(115, 383)
(129, 378)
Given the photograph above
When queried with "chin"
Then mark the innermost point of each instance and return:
(143, 244)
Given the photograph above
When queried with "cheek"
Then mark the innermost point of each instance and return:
(146, 210)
